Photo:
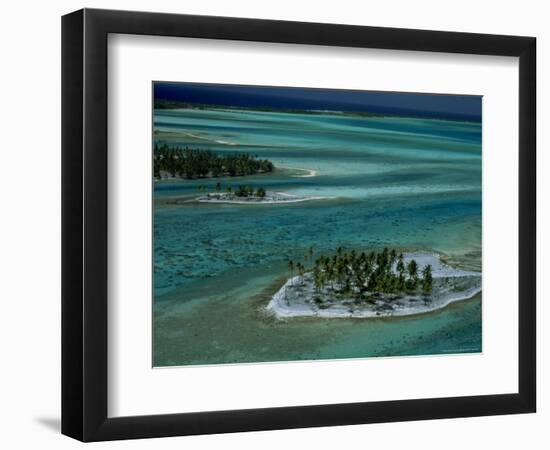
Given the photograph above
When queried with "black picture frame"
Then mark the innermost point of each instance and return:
(84, 224)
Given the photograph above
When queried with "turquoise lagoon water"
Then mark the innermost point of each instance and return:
(386, 181)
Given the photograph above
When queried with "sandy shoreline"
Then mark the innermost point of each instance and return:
(310, 172)
(295, 297)
(271, 198)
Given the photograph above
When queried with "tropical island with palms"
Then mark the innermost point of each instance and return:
(188, 163)
(244, 194)
(384, 283)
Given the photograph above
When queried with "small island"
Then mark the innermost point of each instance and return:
(187, 163)
(374, 284)
(248, 195)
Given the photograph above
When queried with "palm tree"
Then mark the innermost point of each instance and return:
(393, 257)
(385, 258)
(331, 272)
(371, 258)
(260, 192)
(301, 271)
(367, 270)
(317, 278)
(347, 286)
(242, 191)
(427, 280)
(373, 281)
(400, 264)
(291, 267)
(412, 269)
(400, 267)
(340, 271)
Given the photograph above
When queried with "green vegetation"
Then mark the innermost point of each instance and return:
(220, 191)
(363, 275)
(248, 191)
(196, 163)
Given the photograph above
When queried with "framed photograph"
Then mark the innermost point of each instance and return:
(273, 224)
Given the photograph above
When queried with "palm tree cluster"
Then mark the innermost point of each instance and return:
(241, 191)
(360, 275)
(198, 163)
(248, 191)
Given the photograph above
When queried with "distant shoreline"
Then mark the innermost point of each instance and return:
(165, 104)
